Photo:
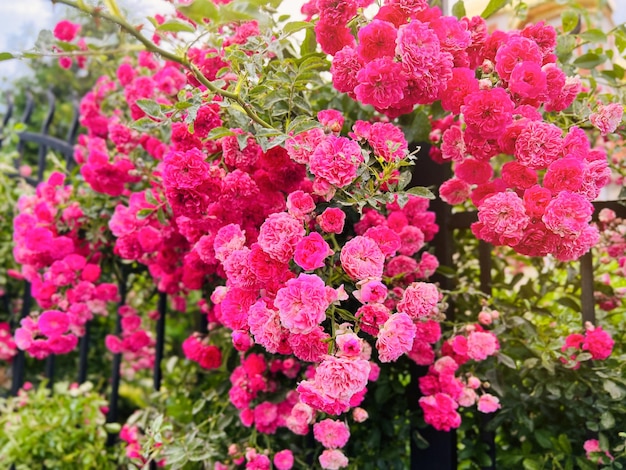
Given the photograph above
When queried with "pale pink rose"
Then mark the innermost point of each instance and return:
(467, 398)
(419, 300)
(359, 414)
(361, 259)
(395, 337)
(302, 303)
(279, 235)
(607, 118)
(371, 292)
(349, 345)
(331, 434)
(301, 416)
(488, 403)
(484, 318)
(473, 382)
(481, 345)
(333, 459)
(228, 239)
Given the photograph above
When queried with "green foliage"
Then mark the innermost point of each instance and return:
(61, 429)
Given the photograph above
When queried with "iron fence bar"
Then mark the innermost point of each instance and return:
(112, 415)
(7, 115)
(488, 438)
(19, 362)
(160, 344)
(25, 119)
(160, 340)
(45, 129)
(83, 356)
(49, 372)
(586, 289)
(441, 454)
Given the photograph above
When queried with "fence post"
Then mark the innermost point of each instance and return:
(486, 437)
(160, 345)
(441, 454)
(19, 362)
(117, 359)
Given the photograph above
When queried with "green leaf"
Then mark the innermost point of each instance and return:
(309, 44)
(589, 60)
(607, 420)
(144, 213)
(494, 6)
(458, 9)
(150, 107)
(543, 438)
(569, 303)
(532, 464)
(564, 47)
(176, 26)
(219, 132)
(150, 198)
(6, 56)
(616, 392)
(565, 444)
(593, 35)
(421, 192)
(295, 26)
(506, 360)
(197, 406)
(113, 428)
(200, 10)
(569, 20)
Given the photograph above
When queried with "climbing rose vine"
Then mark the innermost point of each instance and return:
(232, 176)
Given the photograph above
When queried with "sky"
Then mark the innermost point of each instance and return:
(21, 21)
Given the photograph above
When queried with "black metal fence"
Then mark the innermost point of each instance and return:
(441, 454)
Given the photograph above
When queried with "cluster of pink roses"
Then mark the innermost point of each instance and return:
(8, 348)
(62, 268)
(444, 392)
(597, 342)
(66, 31)
(135, 343)
(410, 54)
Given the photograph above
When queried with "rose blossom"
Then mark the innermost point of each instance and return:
(607, 118)
(481, 344)
(53, 323)
(395, 337)
(440, 411)
(302, 303)
(419, 300)
(311, 252)
(488, 403)
(361, 259)
(336, 160)
(279, 235)
(333, 459)
(331, 434)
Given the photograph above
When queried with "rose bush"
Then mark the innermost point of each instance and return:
(224, 167)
